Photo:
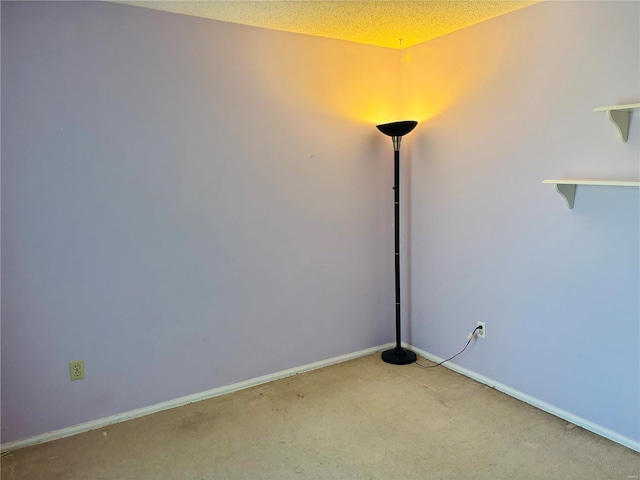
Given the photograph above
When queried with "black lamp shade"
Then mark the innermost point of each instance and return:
(397, 129)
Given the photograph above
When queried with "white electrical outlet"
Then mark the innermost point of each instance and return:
(482, 332)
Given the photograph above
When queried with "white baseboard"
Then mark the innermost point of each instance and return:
(547, 407)
(196, 397)
(158, 407)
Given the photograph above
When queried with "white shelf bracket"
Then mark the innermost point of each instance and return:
(567, 187)
(620, 119)
(568, 191)
(620, 116)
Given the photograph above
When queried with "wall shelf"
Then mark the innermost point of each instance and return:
(619, 115)
(567, 187)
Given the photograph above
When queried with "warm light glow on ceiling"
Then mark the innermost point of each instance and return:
(394, 24)
(374, 97)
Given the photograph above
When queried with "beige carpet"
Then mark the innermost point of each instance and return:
(361, 419)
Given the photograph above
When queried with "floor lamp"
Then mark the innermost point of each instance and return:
(396, 130)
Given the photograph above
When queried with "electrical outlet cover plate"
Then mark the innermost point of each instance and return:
(482, 332)
(76, 370)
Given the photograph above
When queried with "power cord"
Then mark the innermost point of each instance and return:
(470, 336)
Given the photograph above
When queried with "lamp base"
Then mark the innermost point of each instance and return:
(399, 356)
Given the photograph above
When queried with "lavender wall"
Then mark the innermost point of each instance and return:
(188, 203)
(185, 204)
(511, 103)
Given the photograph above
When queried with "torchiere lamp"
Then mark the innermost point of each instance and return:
(396, 130)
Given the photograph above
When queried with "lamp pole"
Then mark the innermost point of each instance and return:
(396, 130)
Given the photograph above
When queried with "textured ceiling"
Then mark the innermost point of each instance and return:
(395, 24)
